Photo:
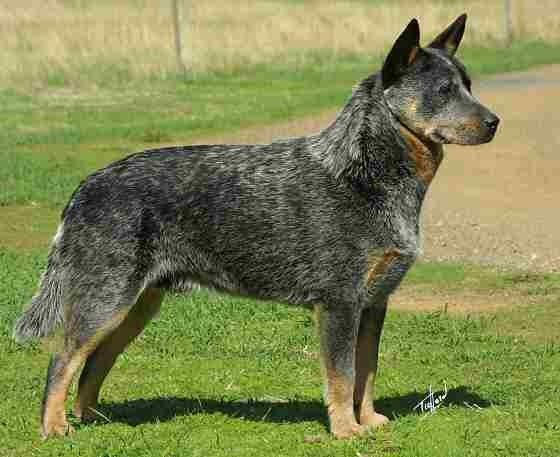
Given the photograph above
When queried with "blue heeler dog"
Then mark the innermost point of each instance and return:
(329, 221)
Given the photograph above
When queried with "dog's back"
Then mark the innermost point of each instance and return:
(330, 220)
(269, 221)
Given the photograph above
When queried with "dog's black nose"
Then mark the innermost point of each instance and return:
(492, 123)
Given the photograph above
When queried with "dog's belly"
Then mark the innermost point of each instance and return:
(366, 277)
(292, 262)
(291, 280)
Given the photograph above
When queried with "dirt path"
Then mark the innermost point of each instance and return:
(493, 204)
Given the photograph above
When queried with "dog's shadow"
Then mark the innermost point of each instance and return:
(163, 409)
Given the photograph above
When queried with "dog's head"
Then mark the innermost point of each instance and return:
(429, 91)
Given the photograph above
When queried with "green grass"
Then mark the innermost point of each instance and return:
(216, 376)
(54, 138)
(229, 376)
(477, 279)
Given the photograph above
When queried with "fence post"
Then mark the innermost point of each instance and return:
(177, 21)
(508, 23)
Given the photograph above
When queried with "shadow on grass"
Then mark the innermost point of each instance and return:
(404, 405)
(163, 409)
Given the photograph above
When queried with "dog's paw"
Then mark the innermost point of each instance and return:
(347, 431)
(56, 428)
(374, 420)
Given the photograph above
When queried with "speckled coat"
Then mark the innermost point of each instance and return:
(329, 220)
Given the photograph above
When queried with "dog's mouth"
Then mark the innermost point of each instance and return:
(437, 137)
(424, 137)
(465, 138)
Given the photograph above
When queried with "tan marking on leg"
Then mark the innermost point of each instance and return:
(102, 360)
(366, 368)
(339, 393)
(340, 406)
(54, 413)
(53, 421)
(379, 265)
(367, 344)
(426, 157)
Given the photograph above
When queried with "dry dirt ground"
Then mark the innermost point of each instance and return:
(494, 204)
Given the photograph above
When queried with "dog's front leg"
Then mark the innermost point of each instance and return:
(367, 352)
(383, 276)
(338, 327)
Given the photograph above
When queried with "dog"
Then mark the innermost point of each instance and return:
(328, 221)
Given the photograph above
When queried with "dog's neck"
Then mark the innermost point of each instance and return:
(425, 154)
(367, 146)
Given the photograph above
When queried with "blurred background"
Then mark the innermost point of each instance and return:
(80, 41)
(83, 83)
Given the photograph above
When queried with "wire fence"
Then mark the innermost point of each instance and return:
(181, 8)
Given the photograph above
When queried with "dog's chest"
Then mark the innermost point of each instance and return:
(395, 244)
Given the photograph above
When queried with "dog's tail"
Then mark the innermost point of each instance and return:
(45, 311)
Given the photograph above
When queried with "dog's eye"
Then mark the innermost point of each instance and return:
(445, 89)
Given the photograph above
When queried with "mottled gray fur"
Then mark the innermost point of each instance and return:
(45, 311)
(330, 220)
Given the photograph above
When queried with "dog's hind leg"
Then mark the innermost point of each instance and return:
(61, 371)
(367, 351)
(338, 333)
(95, 304)
(100, 362)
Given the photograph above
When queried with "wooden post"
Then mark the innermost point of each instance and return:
(508, 23)
(177, 22)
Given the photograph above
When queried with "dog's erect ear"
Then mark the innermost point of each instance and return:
(402, 54)
(451, 37)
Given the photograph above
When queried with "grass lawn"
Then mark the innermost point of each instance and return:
(227, 376)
